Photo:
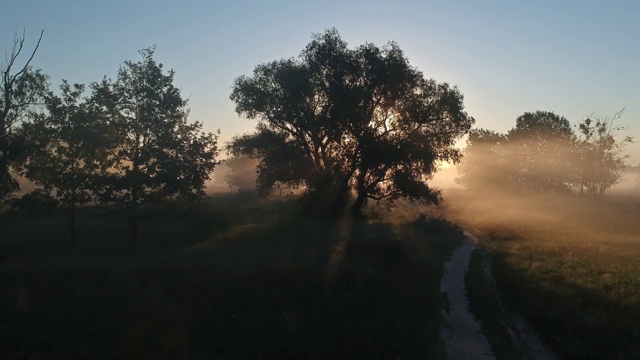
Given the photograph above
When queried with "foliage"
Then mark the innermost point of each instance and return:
(601, 154)
(158, 154)
(485, 162)
(21, 89)
(34, 202)
(337, 119)
(70, 149)
(241, 175)
(543, 154)
(542, 144)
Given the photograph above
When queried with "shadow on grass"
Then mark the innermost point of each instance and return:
(227, 279)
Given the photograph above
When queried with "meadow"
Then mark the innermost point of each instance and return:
(228, 277)
(569, 265)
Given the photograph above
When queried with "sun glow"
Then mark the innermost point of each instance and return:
(444, 165)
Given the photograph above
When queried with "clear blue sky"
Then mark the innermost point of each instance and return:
(507, 57)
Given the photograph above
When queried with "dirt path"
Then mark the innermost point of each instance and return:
(461, 332)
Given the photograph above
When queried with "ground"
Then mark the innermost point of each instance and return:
(227, 278)
(569, 266)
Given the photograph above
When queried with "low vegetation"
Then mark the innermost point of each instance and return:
(228, 277)
(570, 266)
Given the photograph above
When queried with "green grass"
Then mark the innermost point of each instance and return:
(485, 304)
(226, 278)
(570, 266)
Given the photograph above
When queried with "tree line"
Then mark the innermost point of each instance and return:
(125, 141)
(545, 153)
(346, 125)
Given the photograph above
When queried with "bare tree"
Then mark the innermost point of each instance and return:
(21, 88)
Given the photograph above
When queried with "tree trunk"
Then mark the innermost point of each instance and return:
(72, 222)
(133, 222)
(361, 199)
(357, 205)
(340, 194)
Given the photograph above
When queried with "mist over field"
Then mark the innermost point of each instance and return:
(305, 180)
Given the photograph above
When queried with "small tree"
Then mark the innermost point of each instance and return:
(601, 153)
(158, 154)
(72, 143)
(21, 88)
(339, 120)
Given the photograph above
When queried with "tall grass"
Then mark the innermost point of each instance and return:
(226, 278)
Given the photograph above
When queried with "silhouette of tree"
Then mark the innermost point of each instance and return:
(158, 154)
(543, 144)
(70, 149)
(486, 162)
(601, 154)
(21, 87)
(542, 153)
(536, 155)
(337, 119)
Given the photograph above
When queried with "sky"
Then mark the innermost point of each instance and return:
(574, 58)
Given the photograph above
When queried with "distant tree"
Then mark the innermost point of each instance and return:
(21, 88)
(242, 173)
(158, 154)
(486, 161)
(536, 155)
(540, 126)
(543, 144)
(72, 143)
(601, 153)
(339, 120)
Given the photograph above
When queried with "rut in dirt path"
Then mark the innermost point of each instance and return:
(461, 332)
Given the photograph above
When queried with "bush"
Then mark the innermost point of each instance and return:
(35, 202)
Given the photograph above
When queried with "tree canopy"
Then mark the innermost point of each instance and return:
(157, 154)
(601, 156)
(543, 153)
(71, 148)
(22, 88)
(337, 119)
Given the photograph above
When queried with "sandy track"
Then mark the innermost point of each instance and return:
(461, 332)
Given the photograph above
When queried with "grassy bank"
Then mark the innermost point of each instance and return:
(570, 266)
(227, 278)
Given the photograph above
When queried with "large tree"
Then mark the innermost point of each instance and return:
(158, 153)
(337, 119)
(71, 149)
(21, 88)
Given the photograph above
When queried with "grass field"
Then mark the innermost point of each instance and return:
(570, 266)
(226, 278)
